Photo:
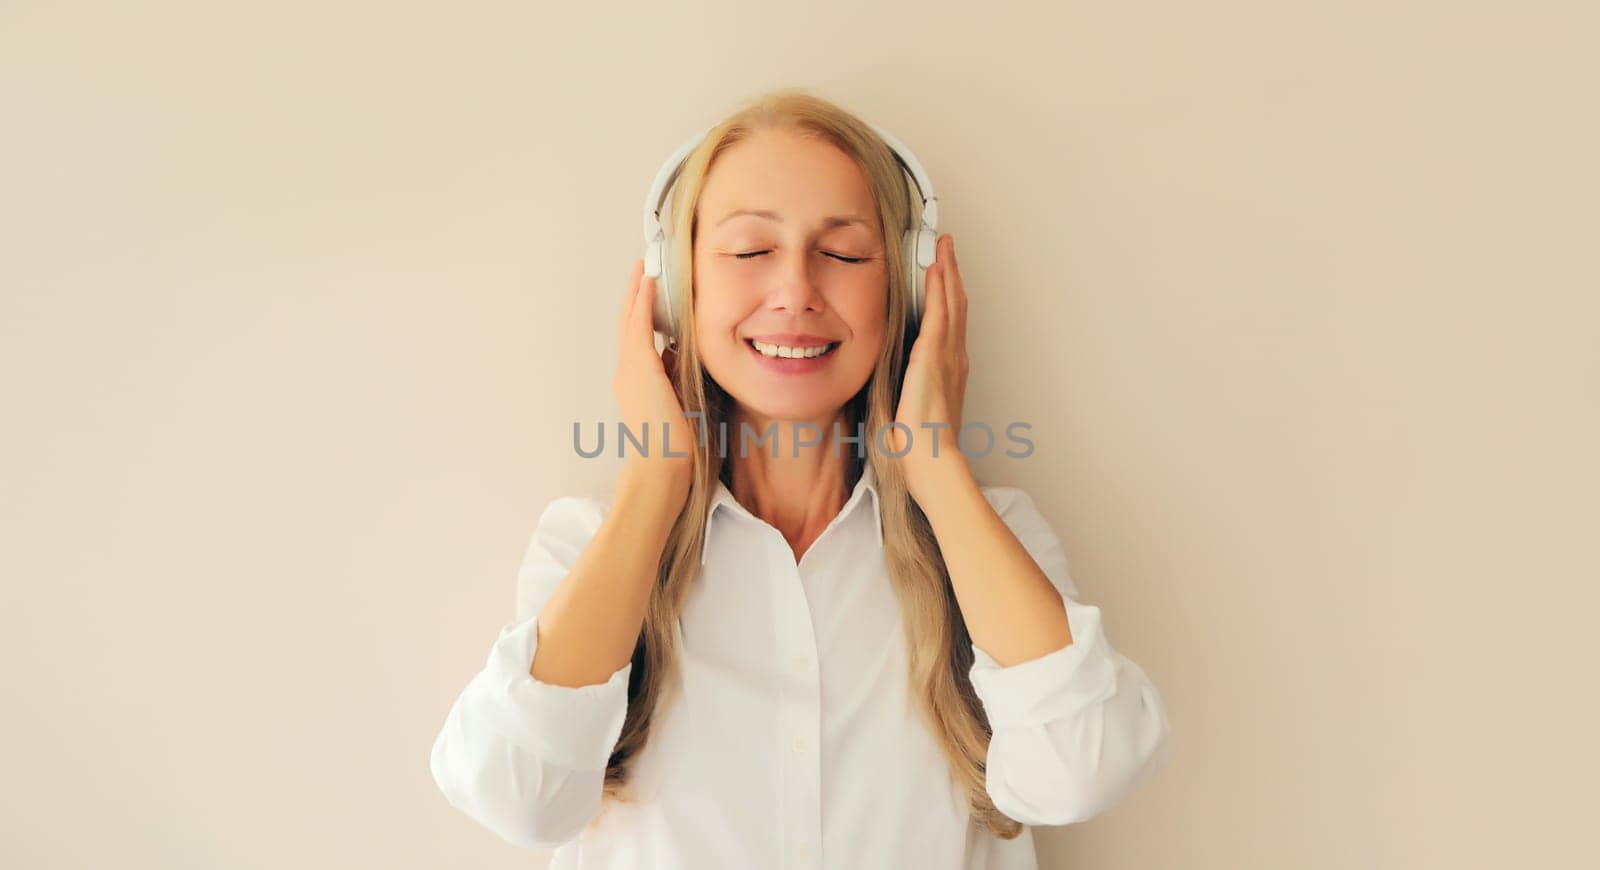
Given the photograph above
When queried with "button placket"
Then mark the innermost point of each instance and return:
(799, 699)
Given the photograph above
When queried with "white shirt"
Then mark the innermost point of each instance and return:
(794, 743)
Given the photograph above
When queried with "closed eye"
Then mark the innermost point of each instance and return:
(750, 255)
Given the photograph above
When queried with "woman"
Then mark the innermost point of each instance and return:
(782, 653)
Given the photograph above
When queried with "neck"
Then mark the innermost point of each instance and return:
(801, 489)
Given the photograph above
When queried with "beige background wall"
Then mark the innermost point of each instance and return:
(301, 299)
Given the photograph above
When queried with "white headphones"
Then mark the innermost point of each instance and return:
(919, 242)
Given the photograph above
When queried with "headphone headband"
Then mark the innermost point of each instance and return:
(656, 199)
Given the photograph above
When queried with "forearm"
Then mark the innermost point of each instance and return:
(1011, 609)
(590, 626)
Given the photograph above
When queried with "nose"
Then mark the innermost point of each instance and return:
(793, 289)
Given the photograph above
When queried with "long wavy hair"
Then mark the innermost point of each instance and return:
(937, 640)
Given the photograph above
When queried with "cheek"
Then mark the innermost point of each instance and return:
(863, 304)
(720, 295)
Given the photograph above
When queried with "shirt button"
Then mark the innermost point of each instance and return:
(803, 851)
(799, 744)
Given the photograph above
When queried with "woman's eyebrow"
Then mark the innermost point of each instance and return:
(835, 221)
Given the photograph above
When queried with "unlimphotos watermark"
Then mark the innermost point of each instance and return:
(970, 433)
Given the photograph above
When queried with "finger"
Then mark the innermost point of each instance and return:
(641, 324)
(957, 291)
(628, 297)
(934, 313)
(644, 312)
(958, 286)
(947, 283)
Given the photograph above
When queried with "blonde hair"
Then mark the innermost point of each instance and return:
(937, 641)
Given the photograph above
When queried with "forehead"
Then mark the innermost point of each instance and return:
(801, 179)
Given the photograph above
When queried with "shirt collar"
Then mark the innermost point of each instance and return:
(867, 483)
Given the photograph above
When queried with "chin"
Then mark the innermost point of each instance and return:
(786, 408)
(820, 402)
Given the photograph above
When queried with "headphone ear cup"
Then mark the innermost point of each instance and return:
(914, 279)
(665, 291)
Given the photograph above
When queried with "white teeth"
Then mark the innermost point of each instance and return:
(778, 350)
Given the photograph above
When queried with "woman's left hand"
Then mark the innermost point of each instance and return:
(935, 381)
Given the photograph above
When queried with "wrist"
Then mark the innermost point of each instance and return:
(936, 481)
(655, 483)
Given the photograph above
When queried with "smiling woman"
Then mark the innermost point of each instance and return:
(809, 657)
(810, 271)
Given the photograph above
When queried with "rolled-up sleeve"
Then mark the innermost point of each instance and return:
(522, 757)
(1078, 729)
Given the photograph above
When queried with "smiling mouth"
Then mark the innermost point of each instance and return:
(774, 351)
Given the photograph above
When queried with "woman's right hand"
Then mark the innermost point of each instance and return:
(645, 394)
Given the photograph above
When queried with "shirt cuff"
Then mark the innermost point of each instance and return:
(573, 726)
(1053, 686)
